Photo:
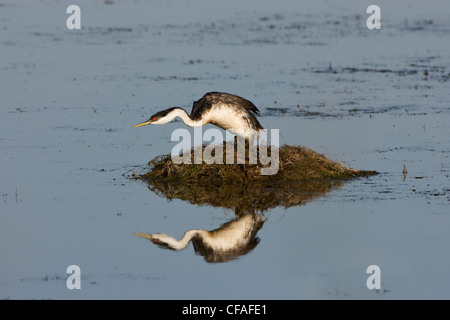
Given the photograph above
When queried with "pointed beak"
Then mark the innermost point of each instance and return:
(143, 124)
(144, 235)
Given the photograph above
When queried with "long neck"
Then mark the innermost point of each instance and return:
(183, 242)
(182, 114)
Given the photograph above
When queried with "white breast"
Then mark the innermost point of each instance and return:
(233, 120)
(236, 234)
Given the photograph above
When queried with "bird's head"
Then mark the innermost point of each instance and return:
(160, 117)
(162, 240)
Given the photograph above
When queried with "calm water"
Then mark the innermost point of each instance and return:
(374, 99)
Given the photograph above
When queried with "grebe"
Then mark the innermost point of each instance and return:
(230, 240)
(227, 111)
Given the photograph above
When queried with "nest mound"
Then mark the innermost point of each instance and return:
(295, 163)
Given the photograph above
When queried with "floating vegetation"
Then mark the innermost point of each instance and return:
(303, 175)
(295, 163)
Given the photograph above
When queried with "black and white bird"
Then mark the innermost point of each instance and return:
(226, 111)
(231, 240)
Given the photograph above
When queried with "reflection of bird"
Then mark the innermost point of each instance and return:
(230, 240)
(224, 110)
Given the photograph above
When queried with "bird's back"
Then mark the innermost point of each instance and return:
(230, 240)
(229, 112)
(211, 99)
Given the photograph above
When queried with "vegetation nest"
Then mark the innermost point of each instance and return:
(296, 163)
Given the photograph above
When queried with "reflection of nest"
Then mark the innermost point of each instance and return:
(244, 198)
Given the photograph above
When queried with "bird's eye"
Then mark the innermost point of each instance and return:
(154, 119)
